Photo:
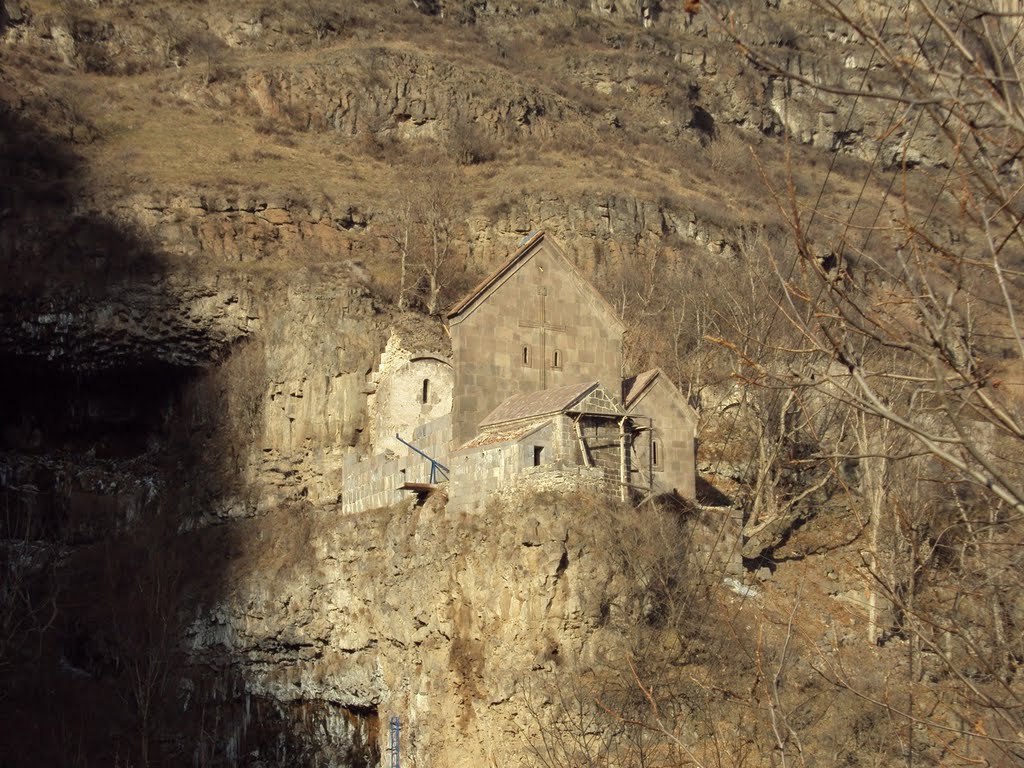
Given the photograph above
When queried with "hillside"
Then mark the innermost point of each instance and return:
(213, 217)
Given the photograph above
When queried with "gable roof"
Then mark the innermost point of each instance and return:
(527, 248)
(507, 435)
(530, 405)
(589, 397)
(633, 389)
(635, 386)
(598, 402)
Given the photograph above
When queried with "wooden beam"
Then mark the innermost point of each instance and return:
(623, 479)
(583, 444)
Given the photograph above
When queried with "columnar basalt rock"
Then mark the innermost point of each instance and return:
(436, 623)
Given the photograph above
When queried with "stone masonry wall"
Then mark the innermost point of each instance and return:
(550, 479)
(433, 438)
(396, 404)
(602, 437)
(545, 308)
(374, 481)
(674, 431)
(479, 472)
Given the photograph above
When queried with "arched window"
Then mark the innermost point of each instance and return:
(556, 361)
(426, 391)
(526, 355)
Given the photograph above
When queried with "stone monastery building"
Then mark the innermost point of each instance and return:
(533, 395)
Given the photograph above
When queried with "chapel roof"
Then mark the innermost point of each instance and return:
(633, 389)
(530, 405)
(634, 386)
(527, 247)
(506, 435)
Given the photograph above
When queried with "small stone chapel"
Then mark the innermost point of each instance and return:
(534, 395)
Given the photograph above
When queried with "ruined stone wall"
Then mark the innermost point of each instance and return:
(551, 479)
(419, 391)
(489, 342)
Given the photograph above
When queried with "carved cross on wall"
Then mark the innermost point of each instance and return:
(544, 326)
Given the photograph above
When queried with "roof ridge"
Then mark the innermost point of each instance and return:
(537, 403)
(507, 266)
(492, 278)
(645, 379)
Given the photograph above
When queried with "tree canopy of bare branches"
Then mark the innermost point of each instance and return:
(906, 308)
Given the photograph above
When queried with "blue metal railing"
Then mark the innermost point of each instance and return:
(435, 465)
(396, 732)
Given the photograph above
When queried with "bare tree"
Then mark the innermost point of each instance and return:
(28, 587)
(400, 232)
(908, 314)
(142, 611)
(442, 213)
(426, 227)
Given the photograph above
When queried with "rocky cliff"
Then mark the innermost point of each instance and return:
(200, 226)
(405, 612)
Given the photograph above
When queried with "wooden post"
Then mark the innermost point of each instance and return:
(623, 479)
(583, 444)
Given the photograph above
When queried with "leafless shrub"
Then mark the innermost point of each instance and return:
(468, 144)
(729, 155)
(325, 19)
(268, 125)
(379, 145)
(208, 49)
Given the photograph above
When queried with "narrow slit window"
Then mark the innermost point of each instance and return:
(426, 391)
(526, 355)
(556, 362)
(655, 453)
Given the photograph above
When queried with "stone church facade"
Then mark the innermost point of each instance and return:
(533, 395)
(532, 325)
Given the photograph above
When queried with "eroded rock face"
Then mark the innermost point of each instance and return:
(135, 422)
(170, 322)
(258, 385)
(220, 400)
(438, 619)
(457, 624)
